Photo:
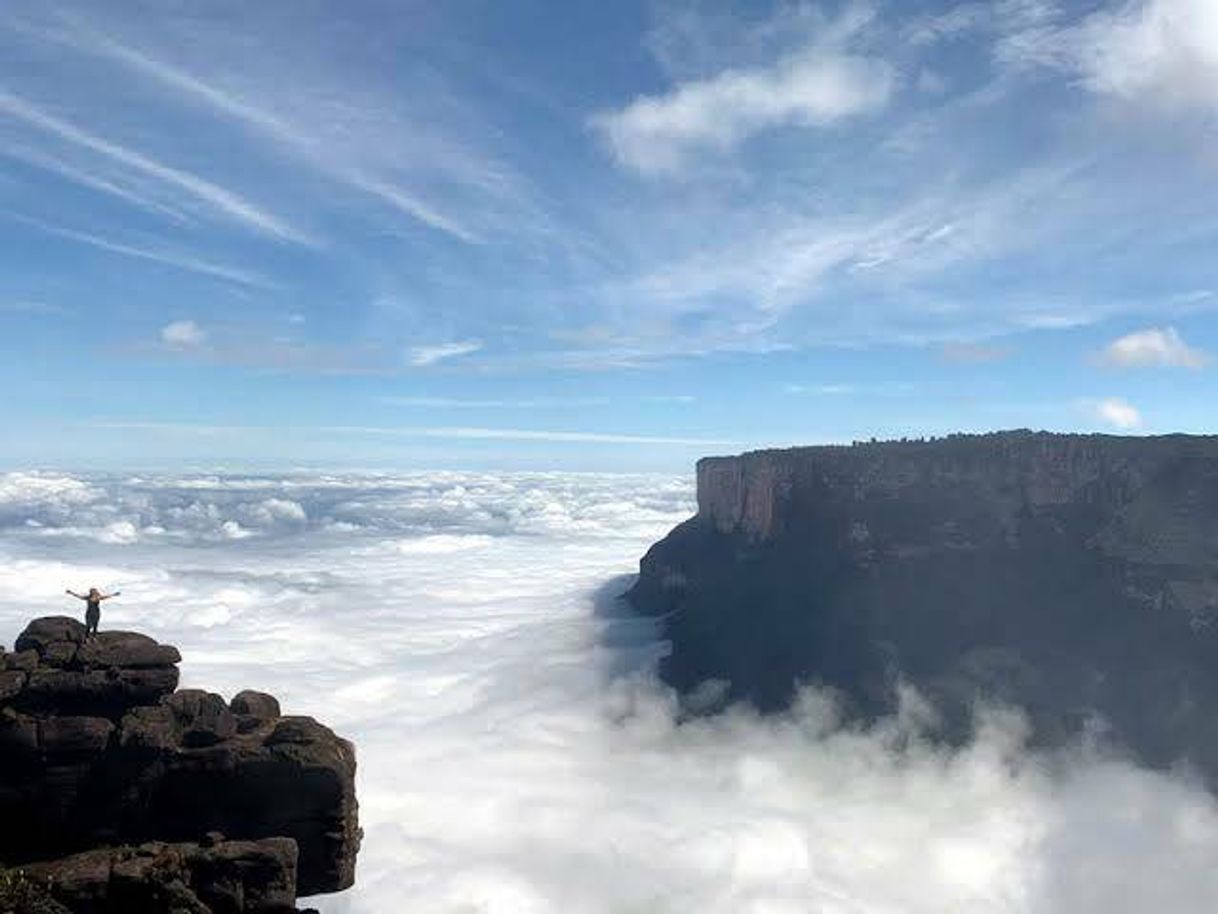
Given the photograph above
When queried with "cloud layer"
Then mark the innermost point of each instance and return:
(516, 757)
(821, 174)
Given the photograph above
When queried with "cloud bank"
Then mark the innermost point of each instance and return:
(516, 756)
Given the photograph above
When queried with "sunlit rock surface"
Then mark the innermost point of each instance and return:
(97, 748)
(1073, 576)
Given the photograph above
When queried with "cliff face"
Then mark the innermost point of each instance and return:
(1075, 576)
(98, 748)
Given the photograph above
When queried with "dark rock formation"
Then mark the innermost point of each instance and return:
(1074, 576)
(97, 748)
(241, 877)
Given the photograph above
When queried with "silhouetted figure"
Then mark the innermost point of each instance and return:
(93, 602)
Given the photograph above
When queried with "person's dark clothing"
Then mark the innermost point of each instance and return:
(92, 616)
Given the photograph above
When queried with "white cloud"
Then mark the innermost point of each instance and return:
(890, 389)
(525, 434)
(1115, 412)
(218, 198)
(424, 402)
(93, 180)
(772, 263)
(828, 390)
(444, 623)
(1158, 53)
(1161, 50)
(406, 431)
(422, 356)
(156, 255)
(656, 134)
(25, 306)
(183, 335)
(341, 155)
(670, 398)
(1157, 347)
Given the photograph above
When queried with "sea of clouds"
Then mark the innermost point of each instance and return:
(517, 755)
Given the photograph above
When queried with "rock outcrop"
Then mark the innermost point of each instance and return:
(1074, 576)
(241, 877)
(98, 748)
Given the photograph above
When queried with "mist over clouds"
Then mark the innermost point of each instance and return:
(516, 754)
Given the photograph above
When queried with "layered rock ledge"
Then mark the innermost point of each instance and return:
(1074, 576)
(253, 877)
(99, 751)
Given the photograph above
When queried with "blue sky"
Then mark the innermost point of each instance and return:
(598, 235)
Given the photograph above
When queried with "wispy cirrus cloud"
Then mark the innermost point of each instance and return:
(219, 199)
(465, 433)
(423, 356)
(422, 402)
(181, 260)
(894, 389)
(337, 152)
(525, 434)
(93, 180)
(824, 199)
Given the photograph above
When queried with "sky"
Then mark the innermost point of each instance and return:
(516, 754)
(597, 235)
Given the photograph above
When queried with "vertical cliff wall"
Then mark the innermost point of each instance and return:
(1075, 576)
(753, 492)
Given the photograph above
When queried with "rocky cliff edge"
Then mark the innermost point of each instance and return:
(100, 754)
(1074, 576)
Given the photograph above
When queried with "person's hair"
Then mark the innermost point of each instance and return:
(94, 590)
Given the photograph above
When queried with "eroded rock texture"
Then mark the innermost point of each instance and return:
(1073, 576)
(234, 877)
(97, 748)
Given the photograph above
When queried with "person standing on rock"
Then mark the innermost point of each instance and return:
(93, 602)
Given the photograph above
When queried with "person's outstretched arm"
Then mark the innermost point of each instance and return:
(75, 594)
(117, 593)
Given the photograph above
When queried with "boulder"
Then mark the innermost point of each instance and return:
(256, 704)
(125, 649)
(109, 693)
(42, 633)
(104, 675)
(23, 661)
(201, 718)
(253, 709)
